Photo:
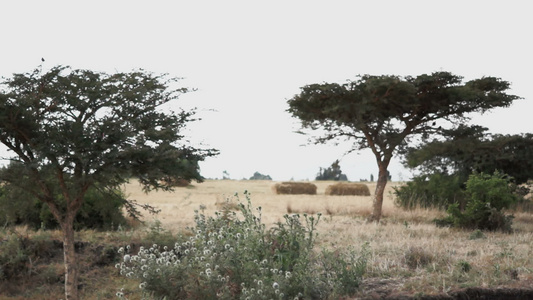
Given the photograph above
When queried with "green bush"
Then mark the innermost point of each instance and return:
(102, 209)
(230, 257)
(18, 251)
(487, 196)
(13, 257)
(430, 191)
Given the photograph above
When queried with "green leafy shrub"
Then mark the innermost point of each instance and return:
(487, 196)
(430, 191)
(231, 257)
(18, 251)
(13, 257)
(102, 209)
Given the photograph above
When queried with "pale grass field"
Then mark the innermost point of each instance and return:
(496, 260)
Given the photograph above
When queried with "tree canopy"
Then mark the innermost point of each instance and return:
(333, 172)
(259, 176)
(469, 149)
(73, 129)
(384, 112)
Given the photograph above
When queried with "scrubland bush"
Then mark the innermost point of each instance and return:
(486, 198)
(430, 191)
(17, 253)
(351, 189)
(294, 188)
(102, 209)
(231, 257)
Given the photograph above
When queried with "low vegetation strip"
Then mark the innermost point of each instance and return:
(409, 258)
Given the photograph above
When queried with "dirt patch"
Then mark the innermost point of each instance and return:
(464, 294)
(392, 289)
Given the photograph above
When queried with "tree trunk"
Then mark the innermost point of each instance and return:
(377, 204)
(71, 259)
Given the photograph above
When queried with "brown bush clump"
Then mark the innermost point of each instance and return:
(352, 189)
(416, 257)
(294, 188)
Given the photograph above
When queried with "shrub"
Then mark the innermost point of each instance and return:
(102, 209)
(231, 257)
(433, 191)
(295, 188)
(353, 189)
(18, 251)
(487, 196)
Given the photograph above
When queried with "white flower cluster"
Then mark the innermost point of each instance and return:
(220, 254)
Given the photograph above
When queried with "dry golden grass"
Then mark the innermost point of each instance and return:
(294, 188)
(348, 189)
(496, 259)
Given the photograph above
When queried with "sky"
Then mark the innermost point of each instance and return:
(247, 58)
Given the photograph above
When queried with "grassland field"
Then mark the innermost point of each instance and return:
(409, 254)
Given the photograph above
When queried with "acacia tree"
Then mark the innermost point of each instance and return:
(69, 130)
(384, 112)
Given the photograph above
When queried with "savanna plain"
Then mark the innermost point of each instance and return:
(409, 255)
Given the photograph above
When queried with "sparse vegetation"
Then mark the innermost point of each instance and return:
(491, 258)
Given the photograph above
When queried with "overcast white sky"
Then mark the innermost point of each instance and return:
(247, 58)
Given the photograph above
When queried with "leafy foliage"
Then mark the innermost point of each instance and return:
(17, 252)
(70, 130)
(487, 196)
(227, 257)
(383, 112)
(471, 149)
(447, 164)
(430, 191)
(101, 209)
(333, 172)
(86, 127)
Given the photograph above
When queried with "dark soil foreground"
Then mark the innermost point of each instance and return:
(41, 271)
(466, 294)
